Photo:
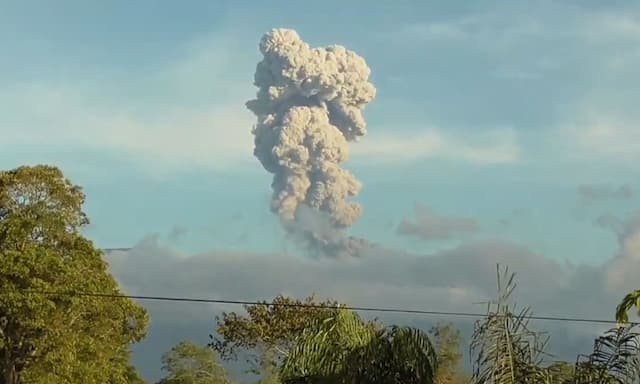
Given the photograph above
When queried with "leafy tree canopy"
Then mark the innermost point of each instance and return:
(448, 343)
(268, 329)
(48, 334)
(188, 363)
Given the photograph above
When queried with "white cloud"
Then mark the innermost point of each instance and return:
(602, 138)
(624, 268)
(528, 42)
(189, 112)
(214, 136)
(491, 147)
(210, 137)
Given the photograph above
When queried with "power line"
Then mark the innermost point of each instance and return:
(353, 308)
(303, 305)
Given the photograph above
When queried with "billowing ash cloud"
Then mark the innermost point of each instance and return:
(309, 106)
(314, 231)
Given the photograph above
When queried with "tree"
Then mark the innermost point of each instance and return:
(267, 370)
(132, 377)
(345, 349)
(188, 363)
(268, 330)
(447, 341)
(48, 333)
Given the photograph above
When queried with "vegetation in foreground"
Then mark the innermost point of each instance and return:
(48, 334)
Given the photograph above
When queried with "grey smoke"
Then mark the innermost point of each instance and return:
(513, 217)
(606, 192)
(314, 231)
(429, 226)
(177, 233)
(308, 107)
(609, 221)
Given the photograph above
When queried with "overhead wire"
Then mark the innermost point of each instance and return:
(311, 305)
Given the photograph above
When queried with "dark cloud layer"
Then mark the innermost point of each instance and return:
(452, 280)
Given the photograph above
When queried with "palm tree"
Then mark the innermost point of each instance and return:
(507, 352)
(342, 349)
(615, 358)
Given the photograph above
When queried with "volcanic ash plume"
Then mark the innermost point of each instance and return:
(308, 107)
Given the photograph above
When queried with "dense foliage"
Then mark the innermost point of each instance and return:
(447, 341)
(48, 334)
(268, 330)
(188, 363)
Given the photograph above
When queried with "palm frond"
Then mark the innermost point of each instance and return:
(343, 349)
(615, 358)
(506, 351)
(323, 348)
(629, 301)
(396, 355)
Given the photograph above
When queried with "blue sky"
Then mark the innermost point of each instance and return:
(494, 111)
(513, 102)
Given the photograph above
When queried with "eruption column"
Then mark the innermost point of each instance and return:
(309, 107)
